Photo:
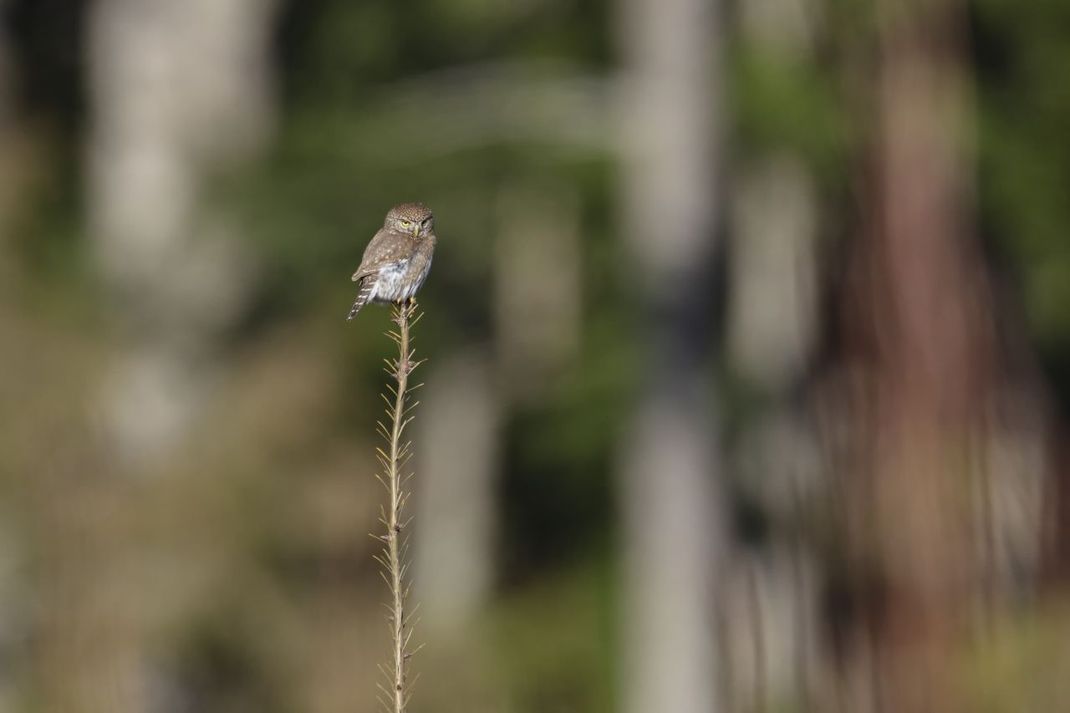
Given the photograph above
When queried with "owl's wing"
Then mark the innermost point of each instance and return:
(386, 247)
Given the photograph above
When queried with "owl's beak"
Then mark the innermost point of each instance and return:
(416, 230)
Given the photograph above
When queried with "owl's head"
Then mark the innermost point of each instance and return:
(412, 218)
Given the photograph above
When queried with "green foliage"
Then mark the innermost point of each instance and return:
(1023, 92)
(557, 640)
(790, 105)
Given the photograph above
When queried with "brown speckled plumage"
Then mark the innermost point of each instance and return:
(398, 258)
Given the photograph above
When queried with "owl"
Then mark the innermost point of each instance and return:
(398, 258)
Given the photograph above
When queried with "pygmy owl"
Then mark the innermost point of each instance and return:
(396, 261)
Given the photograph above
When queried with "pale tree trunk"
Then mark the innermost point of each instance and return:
(458, 432)
(771, 602)
(672, 514)
(772, 319)
(537, 304)
(176, 89)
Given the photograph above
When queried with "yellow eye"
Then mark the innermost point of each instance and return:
(406, 224)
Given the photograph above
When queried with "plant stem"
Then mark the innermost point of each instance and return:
(394, 481)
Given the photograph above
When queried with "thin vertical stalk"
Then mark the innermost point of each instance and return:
(394, 694)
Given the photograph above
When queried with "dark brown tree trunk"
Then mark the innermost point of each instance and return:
(922, 297)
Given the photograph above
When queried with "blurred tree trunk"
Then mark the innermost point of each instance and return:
(672, 514)
(923, 305)
(1056, 535)
(772, 304)
(177, 90)
(538, 298)
(459, 432)
(770, 605)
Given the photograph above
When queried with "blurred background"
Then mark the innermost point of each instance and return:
(748, 338)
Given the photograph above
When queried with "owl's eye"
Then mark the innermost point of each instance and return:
(406, 224)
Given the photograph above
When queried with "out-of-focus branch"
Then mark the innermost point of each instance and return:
(475, 106)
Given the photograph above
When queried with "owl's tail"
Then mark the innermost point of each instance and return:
(363, 297)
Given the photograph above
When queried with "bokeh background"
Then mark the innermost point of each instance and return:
(748, 338)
